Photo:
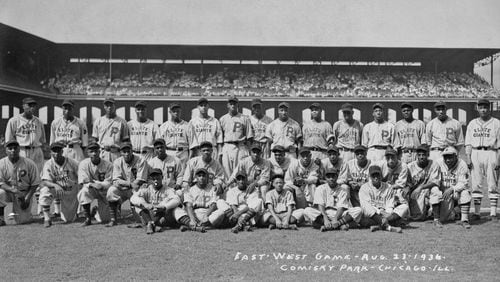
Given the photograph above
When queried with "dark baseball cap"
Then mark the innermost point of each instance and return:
(374, 169)
(241, 173)
(278, 148)
(140, 103)
(109, 100)
(360, 148)
(347, 107)
(233, 99)
(315, 105)
(483, 102)
(93, 145)
(422, 148)
(68, 102)
(206, 144)
(255, 147)
(256, 101)
(304, 150)
(125, 145)
(56, 145)
(29, 100)
(332, 148)
(331, 170)
(378, 105)
(391, 152)
(284, 105)
(159, 141)
(440, 104)
(202, 100)
(450, 150)
(155, 171)
(203, 170)
(406, 105)
(174, 105)
(12, 143)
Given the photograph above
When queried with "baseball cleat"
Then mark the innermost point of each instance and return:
(56, 215)
(464, 224)
(200, 229)
(184, 228)
(272, 226)
(293, 227)
(323, 229)
(374, 228)
(150, 228)
(111, 223)
(87, 222)
(47, 223)
(248, 228)
(235, 229)
(438, 224)
(476, 217)
(344, 227)
(394, 229)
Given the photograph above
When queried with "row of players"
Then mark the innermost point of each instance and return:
(233, 135)
(380, 195)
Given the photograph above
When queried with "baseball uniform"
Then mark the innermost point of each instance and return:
(280, 203)
(407, 137)
(241, 199)
(286, 134)
(304, 194)
(326, 164)
(456, 178)
(316, 135)
(440, 135)
(259, 129)
(237, 131)
(201, 199)
(375, 200)
(417, 176)
(172, 170)
(178, 137)
(30, 134)
(142, 135)
(377, 137)
(396, 178)
(347, 137)
(110, 132)
(354, 176)
(259, 173)
(66, 176)
(71, 133)
(202, 130)
(215, 171)
(277, 168)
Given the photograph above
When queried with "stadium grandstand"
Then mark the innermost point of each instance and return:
(333, 51)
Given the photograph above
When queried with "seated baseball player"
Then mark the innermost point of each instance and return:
(378, 203)
(19, 179)
(301, 178)
(424, 179)
(129, 173)
(332, 209)
(158, 205)
(279, 161)
(455, 187)
(354, 174)
(203, 206)
(94, 174)
(59, 181)
(280, 207)
(256, 169)
(245, 203)
(395, 173)
(171, 166)
(332, 161)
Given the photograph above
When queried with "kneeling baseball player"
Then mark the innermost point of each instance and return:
(332, 210)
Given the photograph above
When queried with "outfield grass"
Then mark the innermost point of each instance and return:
(71, 252)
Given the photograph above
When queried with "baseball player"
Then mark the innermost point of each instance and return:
(347, 133)
(443, 131)
(142, 132)
(455, 187)
(158, 205)
(332, 161)
(238, 132)
(280, 211)
(317, 133)
(29, 132)
(332, 209)
(260, 122)
(171, 167)
(395, 174)
(129, 173)
(178, 134)
(482, 141)
(71, 132)
(95, 176)
(59, 181)
(205, 129)
(409, 133)
(301, 178)
(284, 131)
(354, 174)
(424, 180)
(257, 172)
(216, 174)
(19, 178)
(379, 205)
(378, 135)
(279, 161)
(109, 131)
(244, 202)
(203, 206)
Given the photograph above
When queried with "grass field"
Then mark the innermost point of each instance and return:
(70, 252)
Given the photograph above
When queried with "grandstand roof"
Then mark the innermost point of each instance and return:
(450, 24)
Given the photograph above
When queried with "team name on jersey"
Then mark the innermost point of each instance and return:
(259, 128)
(349, 134)
(139, 131)
(175, 132)
(359, 177)
(28, 128)
(408, 133)
(391, 178)
(448, 179)
(313, 132)
(481, 132)
(62, 176)
(64, 132)
(203, 128)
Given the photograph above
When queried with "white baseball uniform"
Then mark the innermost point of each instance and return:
(178, 138)
(316, 135)
(377, 137)
(347, 137)
(417, 176)
(172, 170)
(237, 131)
(73, 134)
(208, 129)
(286, 134)
(407, 137)
(110, 132)
(456, 178)
(304, 194)
(142, 135)
(440, 135)
(259, 130)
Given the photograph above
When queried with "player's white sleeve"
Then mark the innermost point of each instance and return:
(10, 130)
(53, 132)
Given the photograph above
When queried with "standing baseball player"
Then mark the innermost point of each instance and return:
(29, 132)
(354, 174)
(443, 131)
(260, 122)
(129, 173)
(19, 178)
(205, 129)
(177, 134)
(171, 167)
(347, 133)
(409, 133)
(317, 133)
(279, 161)
(71, 132)
(59, 182)
(455, 187)
(284, 131)
(95, 176)
(215, 171)
(301, 178)
(332, 209)
(238, 133)
(378, 135)
(109, 131)
(482, 142)
(142, 132)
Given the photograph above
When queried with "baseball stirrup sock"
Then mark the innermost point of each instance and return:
(228, 213)
(377, 218)
(318, 222)
(184, 220)
(246, 216)
(145, 216)
(493, 206)
(436, 211)
(477, 206)
(392, 217)
(46, 212)
(86, 210)
(112, 210)
(346, 219)
(464, 210)
(57, 206)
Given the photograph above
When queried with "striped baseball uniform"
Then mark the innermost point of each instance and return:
(72, 133)
(305, 193)
(456, 178)
(286, 134)
(418, 176)
(407, 137)
(215, 171)
(237, 129)
(110, 132)
(374, 200)
(376, 137)
(347, 137)
(259, 129)
(205, 130)
(178, 138)
(440, 135)
(315, 135)
(172, 169)
(142, 135)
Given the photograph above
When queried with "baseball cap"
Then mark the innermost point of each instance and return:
(233, 99)
(202, 100)
(378, 105)
(255, 147)
(315, 105)
(241, 173)
(155, 171)
(406, 105)
(332, 148)
(68, 102)
(93, 145)
(359, 148)
(29, 100)
(304, 150)
(284, 104)
(256, 101)
(483, 102)
(204, 170)
(174, 105)
(206, 144)
(391, 152)
(277, 176)
(440, 104)
(12, 142)
(422, 148)
(374, 169)
(109, 100)
(346, 107)
(450, 151)
(56, 145)
(158, 141)
(125, 145)
(278, 148)
(331, 170)
(140, 103)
